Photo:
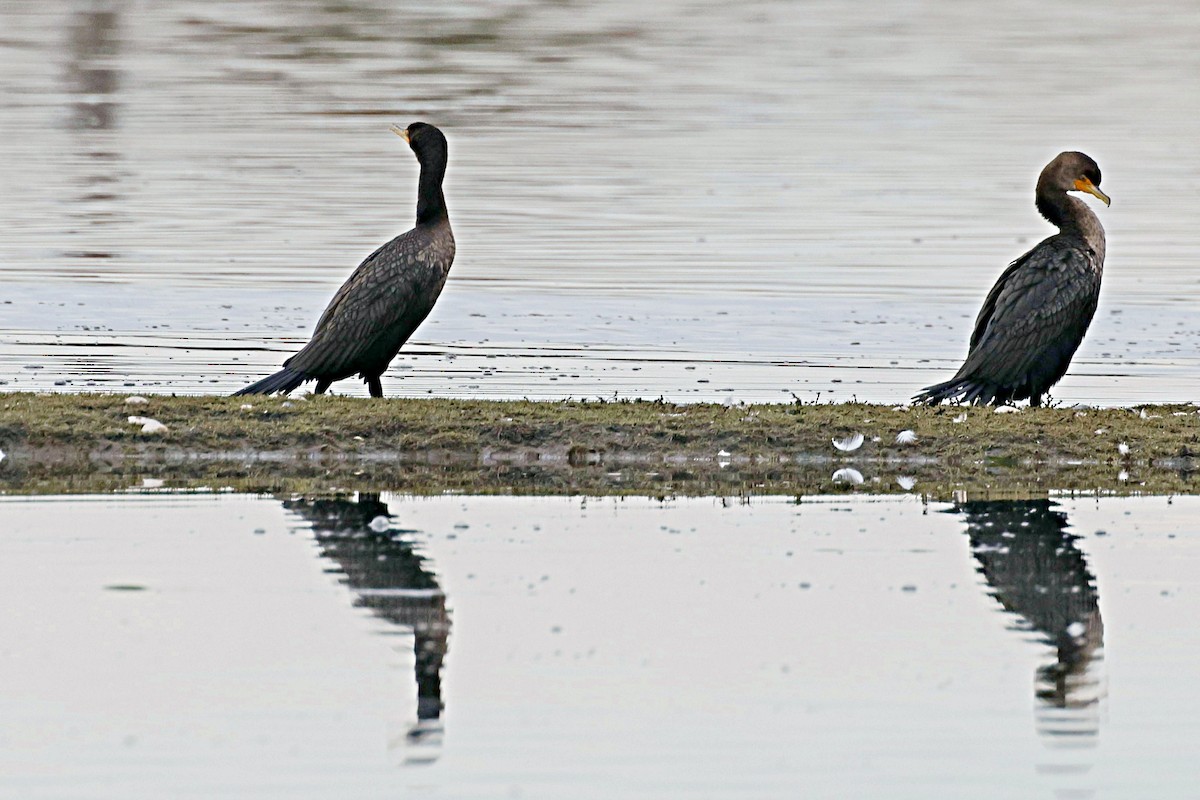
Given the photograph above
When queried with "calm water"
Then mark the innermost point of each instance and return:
(475, 647)
(688, 199)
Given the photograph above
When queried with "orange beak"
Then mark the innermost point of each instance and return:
(1085, 185)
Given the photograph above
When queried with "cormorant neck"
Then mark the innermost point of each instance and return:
(431, 205)
(1072, 216)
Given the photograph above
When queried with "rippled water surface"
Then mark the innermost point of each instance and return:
(475, 647)
(689, 199)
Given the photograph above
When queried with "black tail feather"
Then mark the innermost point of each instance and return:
(961, 390)
(283, 381)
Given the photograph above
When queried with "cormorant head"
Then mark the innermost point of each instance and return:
(423, 138)
(1072, 171)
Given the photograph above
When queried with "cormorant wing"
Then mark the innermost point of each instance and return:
(377, 297)
(1039, 308)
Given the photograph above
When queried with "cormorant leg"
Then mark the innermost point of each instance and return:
(374, 386)
(1035, 400)
(322, 385)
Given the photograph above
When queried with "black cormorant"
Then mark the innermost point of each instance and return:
(1035, 316)
(387, 297)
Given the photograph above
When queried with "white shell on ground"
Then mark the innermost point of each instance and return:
(849, 444)
(148, 425)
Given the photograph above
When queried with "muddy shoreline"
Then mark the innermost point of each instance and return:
(85, 442)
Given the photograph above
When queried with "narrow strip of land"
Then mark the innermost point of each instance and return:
(65, 442)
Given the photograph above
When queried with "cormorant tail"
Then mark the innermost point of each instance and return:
(283, 381)
(962, 390)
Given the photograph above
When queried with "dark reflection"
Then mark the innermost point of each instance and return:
(394, 582)
(92, 45)
(1036, 571)
(92, 80)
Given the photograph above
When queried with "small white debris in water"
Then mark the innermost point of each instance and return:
(723, 454)
(849, 444)
(152, 483)
(960, 418)
(1076, 629)
(1123, 449)
(1122, 476)
(1101, 431)
(380, 524)
(906, 437)
(148, 425)
(246, 407)
(1007, 410)
(848, 475)
(136, 400)
(906, 482)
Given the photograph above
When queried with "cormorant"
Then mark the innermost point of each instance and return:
(387, 297)
(1035, 316)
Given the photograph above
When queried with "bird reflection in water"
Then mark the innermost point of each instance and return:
(92, 83)
(1035, 570)
(389, 578)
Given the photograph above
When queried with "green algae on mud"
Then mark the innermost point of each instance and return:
(66, 442)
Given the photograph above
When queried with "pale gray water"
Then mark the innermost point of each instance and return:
(867, 647)
(785, 197)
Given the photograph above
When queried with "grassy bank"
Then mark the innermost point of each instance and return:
(65, 442)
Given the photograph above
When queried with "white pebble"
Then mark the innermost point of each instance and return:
(148, 425)
(1123, 449)
(848, 475)
(906, 437)
(849, 444)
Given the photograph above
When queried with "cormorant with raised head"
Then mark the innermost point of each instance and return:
(1035, 316)
(387, 297)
